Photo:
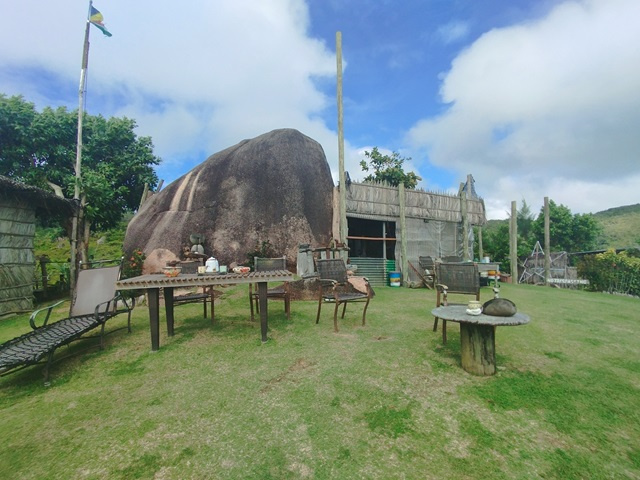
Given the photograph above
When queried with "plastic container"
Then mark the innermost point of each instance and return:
(394, 279)
(211, 265)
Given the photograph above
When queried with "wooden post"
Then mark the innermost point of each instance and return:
(547, 242)
(404, 267)
(342, 177)
(144, 194)
(465, 225)
(513, 244)
(384, 240)
(478, 348)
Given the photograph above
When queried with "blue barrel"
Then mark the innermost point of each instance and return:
(394, 279)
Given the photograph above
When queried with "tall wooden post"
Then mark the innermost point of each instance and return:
(465, 224)
(404, 266)
(342, 177)
(513, 244)
(547, 242)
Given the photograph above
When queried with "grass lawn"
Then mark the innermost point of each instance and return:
(383, 401)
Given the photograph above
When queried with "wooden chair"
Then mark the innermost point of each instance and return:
(457, 278)
(334, 288)
(191, 267)
(280, 292)
(427, 265)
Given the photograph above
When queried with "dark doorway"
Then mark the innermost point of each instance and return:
(371, 238)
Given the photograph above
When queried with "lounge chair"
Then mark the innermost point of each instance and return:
(95, 302)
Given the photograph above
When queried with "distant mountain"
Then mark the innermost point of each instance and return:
(620, 225)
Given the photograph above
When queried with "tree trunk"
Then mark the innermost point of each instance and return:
(478, 348)
(84, 242)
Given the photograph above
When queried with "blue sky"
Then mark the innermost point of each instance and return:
(534, 98)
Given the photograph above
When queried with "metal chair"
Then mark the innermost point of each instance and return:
(191, 267)
(457, 278)
(333, 275)
(280, 292)
(95, 302)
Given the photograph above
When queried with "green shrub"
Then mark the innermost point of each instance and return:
(132, 266)
(612, 272)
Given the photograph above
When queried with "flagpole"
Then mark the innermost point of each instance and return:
(76, 190)
(342, 200)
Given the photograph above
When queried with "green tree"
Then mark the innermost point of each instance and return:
(16, 117)
(388, 168)
(495, 244)
(568, 232)
(525, 219)
(40, 149)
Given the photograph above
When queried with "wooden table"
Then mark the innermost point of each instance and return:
(154, 282)
(477, 336)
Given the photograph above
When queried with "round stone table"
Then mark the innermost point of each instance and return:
(477, 336)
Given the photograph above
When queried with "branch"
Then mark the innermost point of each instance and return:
(56, 189)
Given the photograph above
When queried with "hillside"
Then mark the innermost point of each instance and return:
(621, 226)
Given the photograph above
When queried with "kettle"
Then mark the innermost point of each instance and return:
(211, 265)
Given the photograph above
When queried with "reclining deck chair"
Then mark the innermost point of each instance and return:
(459, 278)
(95, 302)
(281, 292)
(334, 288)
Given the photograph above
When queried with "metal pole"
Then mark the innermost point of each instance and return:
(76, 190)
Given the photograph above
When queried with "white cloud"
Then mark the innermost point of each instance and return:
(550, 105)
(197, 76)
(453, 32)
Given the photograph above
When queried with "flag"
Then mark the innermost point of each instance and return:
(96, 18)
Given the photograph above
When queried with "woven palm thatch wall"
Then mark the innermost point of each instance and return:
(383, 202)
(17, 263)
(19, 205)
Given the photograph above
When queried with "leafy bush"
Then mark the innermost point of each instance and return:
(612, 272)
(133, 265)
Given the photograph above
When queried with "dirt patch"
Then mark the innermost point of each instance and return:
(299, 365)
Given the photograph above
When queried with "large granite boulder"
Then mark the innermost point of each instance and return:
(276, 187)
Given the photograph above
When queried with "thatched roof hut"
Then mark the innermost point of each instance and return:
(382, 222)
(19, 206)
